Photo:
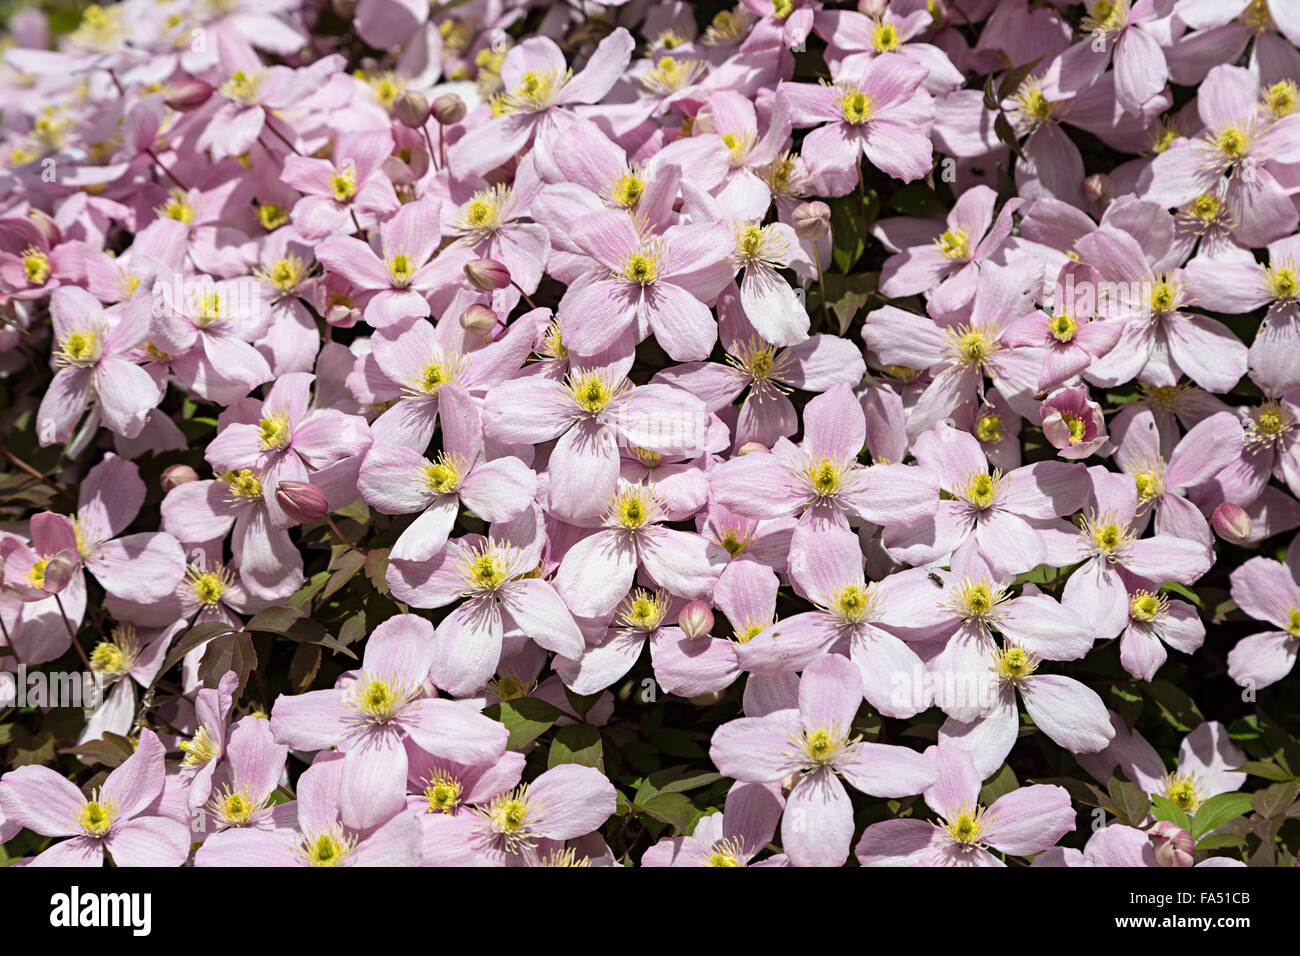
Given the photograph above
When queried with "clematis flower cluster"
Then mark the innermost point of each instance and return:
(511, 433)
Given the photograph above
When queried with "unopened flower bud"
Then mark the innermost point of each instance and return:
(411, 108)
(753, 448)
(1231, 523)
(478, 318)
(187, 95)
(696, 620)
(812, 220)
(487, 275)
(301, 501)
(176, 475)
(448, 109)
(1098, 188)
(1172, 844)
(59, 570)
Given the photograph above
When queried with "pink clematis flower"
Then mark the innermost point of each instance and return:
(1073, 423)
(491, 573)
(290, 440)
(1240, 284)
(1001, 517)
(115, 820)
(311, 832)
(649, 283)
(822, 481)
(522, 827)
(397, 480)
(379, 713)
(733, 837)
(344, 195)
(407, 272)
(590, 414)
(1025, 821)
(1240, 142)
(92, 356)
(537, 84)
(1108, 543)
(883, 111)
(811, 737)
(1267, 591)
(928, 252)
(599, 570)
(1207, 448)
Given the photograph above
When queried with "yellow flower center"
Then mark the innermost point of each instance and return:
(855, 105)
(1232, 142)
(201, 749)
(442, 794)
(1146, 606)
(36, 266)
(328, 848)
(988, 427)
(96, 818)
(982, 489)
(272, 215)
(954, 244)
(243, 484)
(274, 432)
(343, 183)
(643, 610)
(1062, 327)
(884, 38)
(80, 349)
(1013, 664)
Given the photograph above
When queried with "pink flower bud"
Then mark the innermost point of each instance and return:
(448, 109)
(176, 475)
(301, 501)
(812, 220)
(696, 620)
(1231, 523)
(753, 448)
(187, 95)
(1172, 844)
(487, 275)
(411, 108)
(478, 318)
(1098, 188)
(1073, 423)
(59, 570)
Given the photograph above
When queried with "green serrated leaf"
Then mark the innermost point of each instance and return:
(1217, 811)
(1166, 809)
(526, 719)
(580, 744)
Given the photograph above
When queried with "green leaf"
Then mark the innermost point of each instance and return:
(196, 636)
(848, 231)
(1183, 591)
(578, 744)
(1166, 809)
(1217, 811)
(1130, 800)
(674, 809)
(277, 620)
(917, 199)
(526, 718)
(1269, 771)
(1000, 784)
(1275, 800)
